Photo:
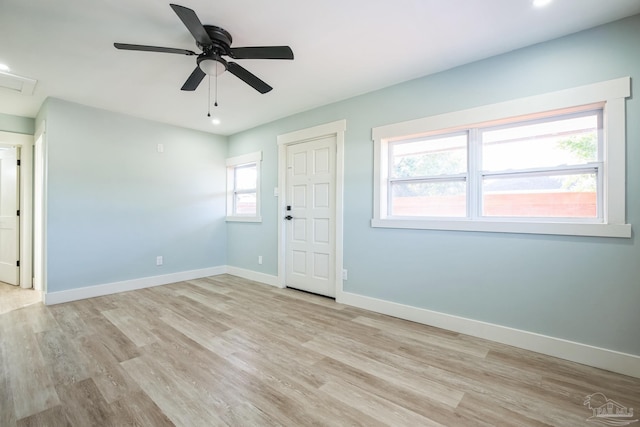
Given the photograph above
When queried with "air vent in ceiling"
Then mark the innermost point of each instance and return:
(15, 83)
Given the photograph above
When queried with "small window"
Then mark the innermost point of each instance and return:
(548, 164)
(243, 188)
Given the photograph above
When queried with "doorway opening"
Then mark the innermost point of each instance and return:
(16, 225)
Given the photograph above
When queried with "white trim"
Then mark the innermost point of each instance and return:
(567, 98)
(336, 129)
(256, 276)
(554, 228)
(244, 159)
(243, 219)
(25, 142)
(609, 94)
(614, 158)
(623, 363)
(40, 177)
(59, 297)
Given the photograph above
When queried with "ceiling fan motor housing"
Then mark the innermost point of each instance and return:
(221, 40)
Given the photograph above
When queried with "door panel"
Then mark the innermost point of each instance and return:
(310, 191)
(9, 229)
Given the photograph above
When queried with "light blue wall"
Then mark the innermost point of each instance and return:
(115, 203)
(577, 288)
(17, 124)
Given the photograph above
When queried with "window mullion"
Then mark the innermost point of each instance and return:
(389, 175)
(474, 185)
(434, 178)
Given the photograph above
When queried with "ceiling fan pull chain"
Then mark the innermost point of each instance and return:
(216, 98)
(209, 99)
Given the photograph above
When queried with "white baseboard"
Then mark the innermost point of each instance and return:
(51, 298)
(623, 363)
(267, 279)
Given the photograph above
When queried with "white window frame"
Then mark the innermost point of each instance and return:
(232, 164)
(608, 95)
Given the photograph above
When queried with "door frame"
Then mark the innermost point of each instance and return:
(25, 143)
(337, 130)
(40, 173)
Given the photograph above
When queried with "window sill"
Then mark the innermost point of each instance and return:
(243, 219)
(554, 228)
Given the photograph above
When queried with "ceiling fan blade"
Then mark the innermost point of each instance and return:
(193, 24)
(194, 80)
(248, 77)
(261, 52)
(125, 46)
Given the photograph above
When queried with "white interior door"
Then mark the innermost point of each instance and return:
(310, 247)
(9, 230)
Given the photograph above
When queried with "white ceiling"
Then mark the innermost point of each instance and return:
(342, 48)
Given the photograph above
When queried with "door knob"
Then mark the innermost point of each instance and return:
(288, 217)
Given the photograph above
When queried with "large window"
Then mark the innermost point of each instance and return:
(243, 188)
(517, 167)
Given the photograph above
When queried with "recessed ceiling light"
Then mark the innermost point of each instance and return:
(541, 3)
(4, 67)
(215, 121)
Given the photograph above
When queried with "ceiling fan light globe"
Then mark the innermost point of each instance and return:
(213, 67)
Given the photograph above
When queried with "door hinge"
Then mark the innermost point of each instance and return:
(18, 212)
(18, 263)
(18, 162)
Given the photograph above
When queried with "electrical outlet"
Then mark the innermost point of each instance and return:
(345, 275)
(160, 148)
(159, 260)
(260, 259)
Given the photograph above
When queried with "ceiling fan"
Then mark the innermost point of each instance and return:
(215, 43)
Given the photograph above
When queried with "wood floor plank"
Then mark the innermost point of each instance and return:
(48, 418)
(386, 412)
(30, 382)
(415, 332)
(225, 351)
(303, 397)
(177, 400)
(484, 413)
(414, 400)
(137, 409)
(105, 338)
(7, 412)
(393, 374)
(136, 329)
(65, 364)
(84, 405)
(69, 320)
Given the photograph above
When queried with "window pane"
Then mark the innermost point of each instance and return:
(246, 177)
(436, 199)
(245, 204)
(568, 141)
(561, 196)
(429, 157)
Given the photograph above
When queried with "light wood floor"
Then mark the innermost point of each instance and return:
(226, 351)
